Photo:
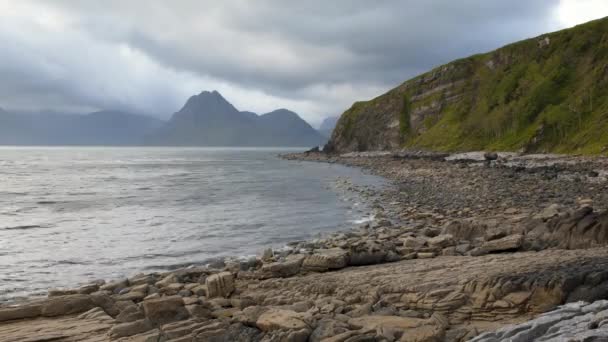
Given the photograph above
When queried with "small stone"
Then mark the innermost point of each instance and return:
(267, 255)
(425, 255)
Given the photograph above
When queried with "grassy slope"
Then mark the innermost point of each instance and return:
(522, 96)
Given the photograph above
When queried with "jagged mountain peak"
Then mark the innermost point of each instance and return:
(208, 103)
(208, 119)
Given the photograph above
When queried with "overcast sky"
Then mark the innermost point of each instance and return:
(315, 57)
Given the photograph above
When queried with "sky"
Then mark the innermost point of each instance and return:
(314, 57)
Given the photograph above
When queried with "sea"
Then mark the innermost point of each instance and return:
(71, 215)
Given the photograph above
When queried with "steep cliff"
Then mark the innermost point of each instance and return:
(542, 94)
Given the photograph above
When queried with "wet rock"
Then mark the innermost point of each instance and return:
(368, 255)
(62, 292)
(490, 156)
(88, 289)
(267, 255)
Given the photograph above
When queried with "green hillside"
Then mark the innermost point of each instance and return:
(546, 94)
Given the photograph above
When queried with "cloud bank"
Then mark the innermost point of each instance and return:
(314, 57)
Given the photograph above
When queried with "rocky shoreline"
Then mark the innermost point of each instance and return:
(461, 245)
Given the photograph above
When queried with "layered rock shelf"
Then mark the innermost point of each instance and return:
(484, 247)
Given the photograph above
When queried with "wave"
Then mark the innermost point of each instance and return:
(47, 202)
(23, 227)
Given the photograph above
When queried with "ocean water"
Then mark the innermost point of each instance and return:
(69, 215)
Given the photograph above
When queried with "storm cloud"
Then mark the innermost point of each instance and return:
(314, 57)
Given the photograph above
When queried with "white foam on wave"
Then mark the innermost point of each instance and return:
(366, 219)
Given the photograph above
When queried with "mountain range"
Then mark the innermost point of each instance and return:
(206, 119)
(545, 94)
(50, 128)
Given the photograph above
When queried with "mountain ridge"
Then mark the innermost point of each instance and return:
(208, 119)
(542, 94)
(93, 129)
(205, 119)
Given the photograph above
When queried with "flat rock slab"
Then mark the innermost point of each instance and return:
(279, 319)
(492, 288)
(326, 259)
(65, 328)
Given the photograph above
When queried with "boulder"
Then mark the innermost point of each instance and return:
(147, 279)
(414, 242)
(130, 313)
(249, 316)
(105, 302)
(220, 285)
(115, 286)
(167, 280)
(550, 212)
(282, 269)
(442, 241)
(67, 305)
(62, 292)
(327, 328)
(88, 289)
(20, 312)
(508, 243)
(279, 319)
(198, 311)
(130, 328)
(490, 156)
(368, 253)
(165, 310)
(326, 259)
(133, 296)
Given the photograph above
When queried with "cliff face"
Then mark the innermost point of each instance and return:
(543, 94)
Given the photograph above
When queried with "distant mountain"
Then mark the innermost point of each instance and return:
(208, 119)
(51, 128)
(328, 125)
